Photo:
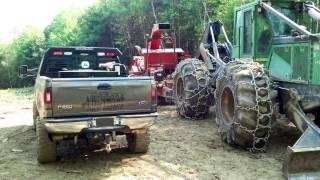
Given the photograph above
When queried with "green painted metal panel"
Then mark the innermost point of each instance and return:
(315, 63)
(284, 52)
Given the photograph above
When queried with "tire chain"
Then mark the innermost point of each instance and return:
(257, 71)
(199, 91)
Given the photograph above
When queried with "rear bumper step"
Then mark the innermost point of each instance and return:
(98, 124)
(105, 130)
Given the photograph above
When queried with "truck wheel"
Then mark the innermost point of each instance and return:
(46, 149)
(244, 105)
(192, 89)
(35, 115)
(138, 141)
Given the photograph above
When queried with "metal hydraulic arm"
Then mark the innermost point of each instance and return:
(312, 10)
(209, 48)
(287, 20)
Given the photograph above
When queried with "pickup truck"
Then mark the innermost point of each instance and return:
(83, 92)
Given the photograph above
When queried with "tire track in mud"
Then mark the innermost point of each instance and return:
(179, 149)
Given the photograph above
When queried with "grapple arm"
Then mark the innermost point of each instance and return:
(287, 20)
(209, 47)
(312, 10)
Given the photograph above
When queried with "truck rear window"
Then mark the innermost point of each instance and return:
(53, 63)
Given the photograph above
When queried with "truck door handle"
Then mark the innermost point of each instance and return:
(104, 86)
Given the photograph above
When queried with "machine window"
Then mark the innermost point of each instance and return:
(247, 33)
(279, 27)
(264, 35)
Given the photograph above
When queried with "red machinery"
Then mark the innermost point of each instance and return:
(157, 60)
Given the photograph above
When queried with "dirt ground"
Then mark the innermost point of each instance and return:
(179, 149)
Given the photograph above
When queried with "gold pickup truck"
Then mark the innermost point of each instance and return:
(87, 93)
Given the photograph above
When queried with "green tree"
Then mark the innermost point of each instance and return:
(4, 70)
(64, 29)
(185, 17)
(224, 10)
(28, 49)
(114, 23)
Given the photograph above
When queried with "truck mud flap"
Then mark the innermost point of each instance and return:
(303, 159)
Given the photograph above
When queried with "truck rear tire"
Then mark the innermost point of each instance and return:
(35, 116)
(192, 90)
(138, 140)
(244, 105)
(46, 149)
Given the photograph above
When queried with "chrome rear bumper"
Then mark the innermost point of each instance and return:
(77, 125)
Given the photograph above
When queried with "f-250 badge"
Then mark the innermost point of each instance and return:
(142, 103)
(65, 107)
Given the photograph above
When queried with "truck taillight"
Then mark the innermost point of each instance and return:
(47, 96)
(57, 53)
(110, 54)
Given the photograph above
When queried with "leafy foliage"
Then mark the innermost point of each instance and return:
(64, 29)
(27, 48)
(4, 65)
(116, 23)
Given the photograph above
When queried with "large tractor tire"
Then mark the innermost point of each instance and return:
(192, 90)
(244, 105)
(139, 140)
(46, 149)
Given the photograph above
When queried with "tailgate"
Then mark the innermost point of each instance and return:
(101, 96)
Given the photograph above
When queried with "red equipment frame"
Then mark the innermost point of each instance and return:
(157, 61)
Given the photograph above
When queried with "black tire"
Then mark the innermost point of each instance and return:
(192, 90)
(35, 116)
(138, 140)
(46, 149)
(245, 110)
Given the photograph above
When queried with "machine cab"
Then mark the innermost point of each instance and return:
(268, 39)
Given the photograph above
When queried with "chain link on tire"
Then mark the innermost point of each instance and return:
(244, 105)
(193, 91)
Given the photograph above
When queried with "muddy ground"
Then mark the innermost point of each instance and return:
(179, 149)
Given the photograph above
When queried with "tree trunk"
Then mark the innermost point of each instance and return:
(154, 12)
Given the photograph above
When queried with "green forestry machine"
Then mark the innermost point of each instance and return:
(269, 74)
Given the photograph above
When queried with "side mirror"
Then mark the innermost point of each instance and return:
(23, 71)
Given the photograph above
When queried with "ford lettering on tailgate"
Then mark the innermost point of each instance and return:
(104, 101)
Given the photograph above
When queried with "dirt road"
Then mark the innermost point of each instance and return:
(179, 149)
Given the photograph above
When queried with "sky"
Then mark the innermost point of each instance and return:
(15, 15)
